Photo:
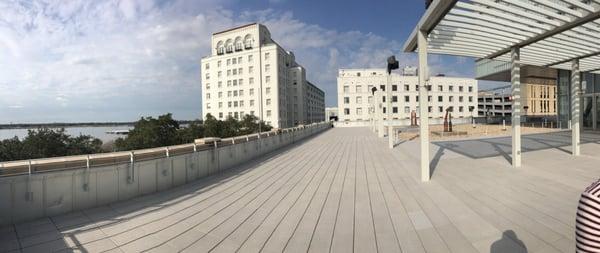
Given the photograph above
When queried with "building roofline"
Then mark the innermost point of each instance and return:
(235, 28)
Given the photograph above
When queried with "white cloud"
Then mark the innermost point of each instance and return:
(82, 60)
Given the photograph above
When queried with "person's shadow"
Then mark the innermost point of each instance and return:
(509, 243)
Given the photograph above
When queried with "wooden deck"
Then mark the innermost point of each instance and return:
(345, 191)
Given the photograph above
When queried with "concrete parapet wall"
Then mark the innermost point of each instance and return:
(54, 192)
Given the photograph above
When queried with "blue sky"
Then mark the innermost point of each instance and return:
(118, 60)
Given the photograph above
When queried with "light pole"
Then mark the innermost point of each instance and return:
(372, 109)
(392, 64)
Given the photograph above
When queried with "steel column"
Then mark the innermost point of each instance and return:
(388, 102)
(423, 108)
(515, 80)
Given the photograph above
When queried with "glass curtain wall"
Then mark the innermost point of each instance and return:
(590, 100)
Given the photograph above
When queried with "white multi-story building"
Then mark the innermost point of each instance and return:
(355, 98)
(249, 73)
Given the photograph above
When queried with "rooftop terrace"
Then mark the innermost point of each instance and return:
(345, 191)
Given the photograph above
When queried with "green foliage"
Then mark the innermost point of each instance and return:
(150, 132)
(194, 131)
(46, 142)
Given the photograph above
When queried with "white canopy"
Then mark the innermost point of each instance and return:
(549, 33)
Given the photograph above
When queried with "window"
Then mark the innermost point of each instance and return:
(240, 71)
(220, 115)
(220, 94)
(460, 99)
(268, 113)
(370, 99)
(219, 64)
(229, 104)
(229, 83)
(394, 87)
(268, 101)
(470, 99)
(382, 87)
(460, 88)
(207, 105)
(406, 98)
(240, 82)
(359, 111)
(250, 58)
(219, 74)
(440, 99)
(394, 109)
(219, 84)
(429, 109)
(460, 109)
(358, 89)
(451, 88)
(267, 79)
(228, 62)
(346, 100)
(346, 88)
(359, 100)
(241, 92)
(267, 56)
(394, 99)
(406, 109)
(220, 104)
(428, 98)
(239, 59)
(207, 95)
(470, 88)
(228, 72)
(251, 80)
(406, 87)
(451, 99)
(234, 61)
(208, 86)
(268, 90)
(440, 109)
(252, 102)
(235, 103)
(346, 111)
(234, 72)
(267, 67)
(207, 66)
(251, 69)
(234, 82)
(440, 88)
(207, 76)
(229, 94)
(251, 92)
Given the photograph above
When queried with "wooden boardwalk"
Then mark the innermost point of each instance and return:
(345, 191)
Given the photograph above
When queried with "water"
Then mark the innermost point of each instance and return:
(95, 131)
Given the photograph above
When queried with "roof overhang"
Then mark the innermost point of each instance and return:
(550, 33)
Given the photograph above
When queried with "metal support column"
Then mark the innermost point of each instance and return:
(423, 108)
(515, 80)
(575, 110)
(388, 105)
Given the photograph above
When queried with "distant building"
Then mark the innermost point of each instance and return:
(355, 98)
(409, 71)
(539, 100)
(331, 113)
(249, 73)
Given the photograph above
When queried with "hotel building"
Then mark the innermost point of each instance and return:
(249, 73)
(355, 99)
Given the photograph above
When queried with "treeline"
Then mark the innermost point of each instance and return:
(46, 142)
(164, 131)
(80, 124)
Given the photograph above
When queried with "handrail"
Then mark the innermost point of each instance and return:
(33, 166)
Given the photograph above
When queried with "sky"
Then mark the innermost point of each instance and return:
(119, 60)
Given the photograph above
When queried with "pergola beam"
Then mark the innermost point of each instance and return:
(575, 23)
(574, 58)
(434, 14)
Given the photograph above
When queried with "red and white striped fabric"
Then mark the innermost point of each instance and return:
(587, 232)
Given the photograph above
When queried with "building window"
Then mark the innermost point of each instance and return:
(358, 89)
(346, 111)
(359, 100)
(451, 88)
(250, 58)
(346, 89)
(429, 109)
(382, 87)
(251, 92)
(234, 82)
(268, 113)
(234, 61)
(267, 67)
(346, 100)
(406, 109)
(228, 62)
(218, 63)
(229, 93)
(268, 101)
(268, 90)
(440, 88)
(451, 99)
(440, 99)
(470, 99)
(406, 98)
(251, 102)
(406, 87)
(370, 99)
(394, 87)
(207, 66)
(220, 115)
(207, 95)
(229, 104)
(267, 79)
(220, 104)
(241, 92)
(394, 99)
(240, 71)
(228, 83)
(267, 56)
(251, 69)
(440, 109)
(460, 99)
(470, 88)
(359, 111)
(251, 80)
(460, 89)
(207, 76)
(207, 105)
(220, 94)
(460, 109)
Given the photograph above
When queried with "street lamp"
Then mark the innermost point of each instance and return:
(373, 110)
(392, 64)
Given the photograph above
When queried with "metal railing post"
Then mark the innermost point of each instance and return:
(86, 183)
(29, 193)
(131, 171)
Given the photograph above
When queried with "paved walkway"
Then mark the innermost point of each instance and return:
(344, 191)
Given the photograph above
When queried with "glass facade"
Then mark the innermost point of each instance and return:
(590, 83)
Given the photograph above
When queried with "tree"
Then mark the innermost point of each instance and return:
(212, 126)
(194, 131)
(11, 149)
(150, 132)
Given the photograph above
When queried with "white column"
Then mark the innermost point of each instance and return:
(379, 104)
(515, 80)
(423, 107)
(594, 112)
(388, 101)
(575, 110)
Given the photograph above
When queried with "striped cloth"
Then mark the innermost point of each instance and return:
(587, 230)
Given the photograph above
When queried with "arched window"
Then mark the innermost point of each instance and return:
(238, 44)
(220, 48)
(229, 46)
(248, 40)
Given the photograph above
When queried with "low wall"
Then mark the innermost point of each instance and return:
(61, 185)
(401, 122)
